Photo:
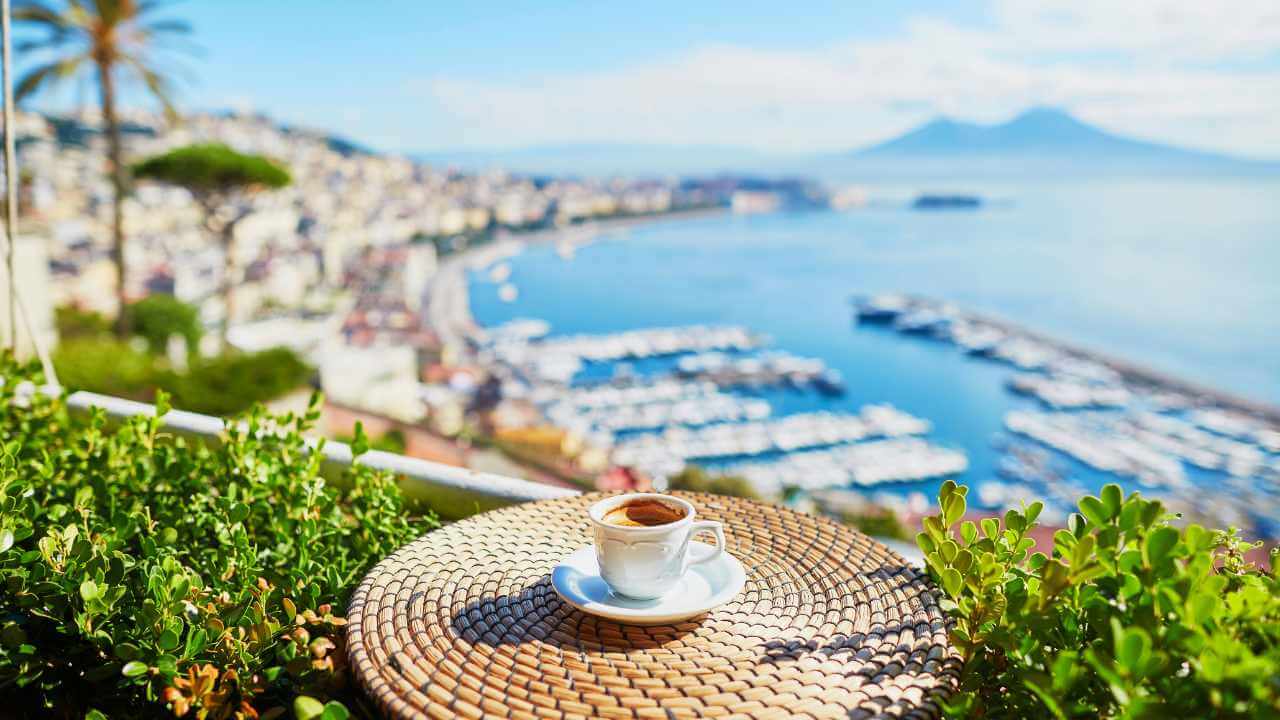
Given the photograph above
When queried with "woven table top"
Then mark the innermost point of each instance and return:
(463, 622)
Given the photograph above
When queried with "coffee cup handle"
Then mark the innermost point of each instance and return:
(714, 527)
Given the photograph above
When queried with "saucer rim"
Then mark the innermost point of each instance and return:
(642, 616)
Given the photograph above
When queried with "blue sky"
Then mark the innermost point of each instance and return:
(794, 76)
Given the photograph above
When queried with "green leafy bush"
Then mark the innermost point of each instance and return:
(881, 523)
(72, 322)
(108, 366)
(144, 575)
(1128, 616)
(392, 441)
(695, 479)
(232, 382)
(158, 317)
(224, 385)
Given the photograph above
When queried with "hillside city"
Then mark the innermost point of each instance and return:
(337, 266)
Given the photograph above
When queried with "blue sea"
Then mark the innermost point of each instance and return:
(1183, 276)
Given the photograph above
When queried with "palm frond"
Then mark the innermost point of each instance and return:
(46, 75)
(166, 27)
(51, 42)
(38, 13)
(157, 85)
(146, 7)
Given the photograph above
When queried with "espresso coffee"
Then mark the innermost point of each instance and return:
(643, 513)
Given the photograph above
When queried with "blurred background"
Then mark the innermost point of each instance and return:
(825, 253)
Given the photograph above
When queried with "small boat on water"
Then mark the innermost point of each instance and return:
(946, 202)
(922, 322)
(500, 273)
(881, 308)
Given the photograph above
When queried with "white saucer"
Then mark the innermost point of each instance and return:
(704, 587)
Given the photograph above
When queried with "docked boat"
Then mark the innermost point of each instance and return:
(881, 308)
(946, 202)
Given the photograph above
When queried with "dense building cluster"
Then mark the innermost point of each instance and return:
(300, 244)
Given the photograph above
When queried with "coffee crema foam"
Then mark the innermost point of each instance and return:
(643, 513)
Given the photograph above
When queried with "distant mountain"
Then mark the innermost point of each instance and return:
(1041, 138)
(1036, 143)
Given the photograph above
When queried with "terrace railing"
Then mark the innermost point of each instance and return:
(452, 492)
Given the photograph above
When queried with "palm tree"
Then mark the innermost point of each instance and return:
(110, 40)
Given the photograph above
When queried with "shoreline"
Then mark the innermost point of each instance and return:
(1138, 373)
(450, 312)
(448, 301)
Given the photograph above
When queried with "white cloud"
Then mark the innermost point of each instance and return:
(1202, 73)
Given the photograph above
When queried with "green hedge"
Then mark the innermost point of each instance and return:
(695, 479)
(158, 317)
(224, 385)
(148, 576)
(1128, 616)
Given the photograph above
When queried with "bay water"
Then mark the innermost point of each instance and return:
(1179, 275)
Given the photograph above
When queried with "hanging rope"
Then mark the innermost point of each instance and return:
(16, 304)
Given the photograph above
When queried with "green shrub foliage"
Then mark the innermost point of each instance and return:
(157, 317)
(227, 384)
(1129, 616)
(148, 575)
(695, 479)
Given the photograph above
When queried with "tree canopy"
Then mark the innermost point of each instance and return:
(213, 168)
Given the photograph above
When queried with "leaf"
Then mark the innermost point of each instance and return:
(89, 591)
(1014, 521)
(291, 610)
(1047, 698)
(359, 441)
(933, 526)
(94, 715)
(990, 527)
(1088, 572)
(952, 582)
(133, 668)
(1112, 498)
(1134, 650)
(168, 640)
(968, 531)
(1129, 514)
(957, 509)
(196, 641)
(162, 403)
(1159, 543)
(949, 550)
(6, 540)
(1033, 512)
(307, 708)
(1093, 510)
(334, 710)
(237, 513)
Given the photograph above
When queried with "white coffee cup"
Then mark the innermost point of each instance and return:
(644, 562)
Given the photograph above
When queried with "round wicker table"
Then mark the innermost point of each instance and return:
(463, 622)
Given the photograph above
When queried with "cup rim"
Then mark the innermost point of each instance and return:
(598, 509)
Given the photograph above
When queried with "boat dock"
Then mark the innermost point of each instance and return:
(1094, 441)
(862, 464)
(667, 452)
(610, 410)
(774, 369)
(987, 335)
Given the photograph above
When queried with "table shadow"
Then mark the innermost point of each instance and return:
(536, 614)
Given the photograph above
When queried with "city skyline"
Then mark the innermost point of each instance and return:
(823, 78)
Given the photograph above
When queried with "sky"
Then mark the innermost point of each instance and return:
(792, 76)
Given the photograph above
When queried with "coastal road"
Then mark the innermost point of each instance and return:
(447, 303)
(448, 306)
